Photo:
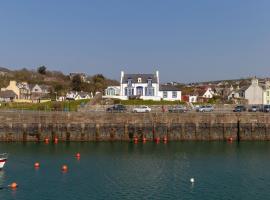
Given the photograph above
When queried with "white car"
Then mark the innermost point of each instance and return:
(141, 109)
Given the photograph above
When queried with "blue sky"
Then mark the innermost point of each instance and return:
(186, 40)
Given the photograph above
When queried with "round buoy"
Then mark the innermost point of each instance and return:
(46, 140)
(157, 140)
(230, 139)
(64, 168)
(55, 140)
(13, 185)
(78, 155)
(36, 165)
(192, 180)
(135, 140)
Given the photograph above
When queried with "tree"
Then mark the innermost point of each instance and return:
(42, 69)
(76, 83)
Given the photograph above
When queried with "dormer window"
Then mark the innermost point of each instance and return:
(149, 82)
(129, 82)
(139, 80)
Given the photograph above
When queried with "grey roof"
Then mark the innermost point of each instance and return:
(7, 94)
(144, 78)
(168, 88)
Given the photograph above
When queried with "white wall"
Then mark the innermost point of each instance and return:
(254, 94)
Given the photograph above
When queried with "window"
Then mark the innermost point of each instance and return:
(149, 82)
(174, 94)
(165, 94)
(268, 93)
(129, 82)
(139, 80)
(149, 91)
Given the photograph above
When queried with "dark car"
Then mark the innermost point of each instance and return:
(179, 109)
(266, 108)
(116, 108)
(239, 109)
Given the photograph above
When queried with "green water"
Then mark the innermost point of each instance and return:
(138, 171)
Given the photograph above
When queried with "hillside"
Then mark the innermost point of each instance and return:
(58, 81)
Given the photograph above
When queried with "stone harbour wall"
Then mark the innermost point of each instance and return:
(100, 126)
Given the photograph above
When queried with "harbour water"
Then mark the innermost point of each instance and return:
(137, 171)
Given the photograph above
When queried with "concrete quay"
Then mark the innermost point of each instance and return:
(100, 126)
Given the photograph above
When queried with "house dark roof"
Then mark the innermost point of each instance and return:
(168, 88)
(144, 78)
(7, 94)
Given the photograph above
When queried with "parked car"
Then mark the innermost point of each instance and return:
(207, 108)
(266, 108)
(141, 109)
(179, 109)
(239, 108)
(116, 108)
(254, 108)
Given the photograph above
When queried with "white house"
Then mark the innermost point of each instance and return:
(207, 93)
(255, 93)
(74, 95)
(143, 86)
(169, 93)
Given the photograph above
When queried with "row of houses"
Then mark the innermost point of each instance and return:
(256, 93)
(148, 87)
(23, 91)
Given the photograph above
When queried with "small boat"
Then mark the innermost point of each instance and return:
(3, 160)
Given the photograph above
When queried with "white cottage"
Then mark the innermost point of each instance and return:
(169, 93)
(144, 86)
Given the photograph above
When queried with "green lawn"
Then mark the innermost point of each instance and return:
(47, 106)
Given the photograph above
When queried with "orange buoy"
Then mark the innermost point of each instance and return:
(13, 185)
(55, 140)
(64, 168)
(36, 165)
(46, 140)
(230, 139)
(135, 140)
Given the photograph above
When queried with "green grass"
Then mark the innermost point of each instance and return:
(147, 102)
(47, 106)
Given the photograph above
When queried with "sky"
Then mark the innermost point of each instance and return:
(186, 40)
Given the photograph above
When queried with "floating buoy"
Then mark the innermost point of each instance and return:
(78, 155)
(46, 140)
(192, 180)
(157, 140)
(13, 185)
(64, 168)
(55, 140)
(165, 139)
(135, 140)
(144, 139)
(230, 139)
(36, 165)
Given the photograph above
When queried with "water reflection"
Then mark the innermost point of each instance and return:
(2, 177)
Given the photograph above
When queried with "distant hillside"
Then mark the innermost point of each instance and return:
(58, 81)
